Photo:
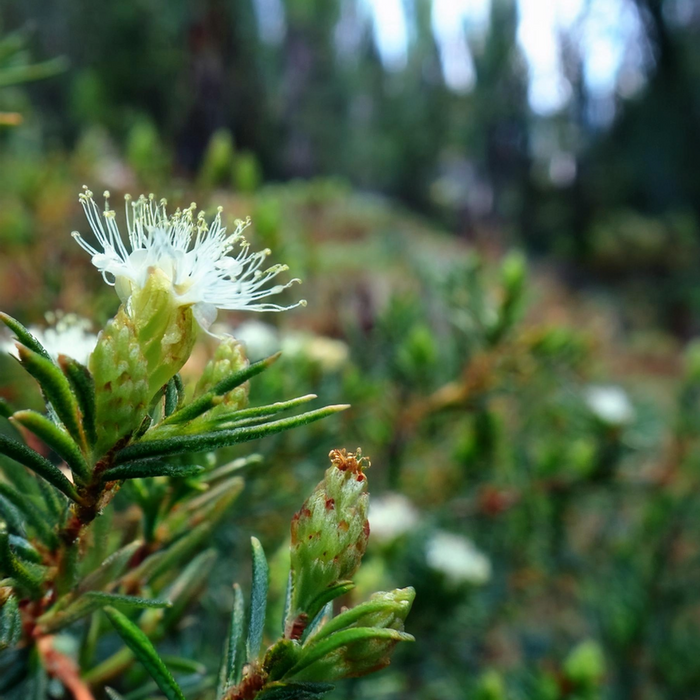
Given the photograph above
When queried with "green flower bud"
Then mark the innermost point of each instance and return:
(121, 382)
(358, 641)
(228, 359)
(329, 536)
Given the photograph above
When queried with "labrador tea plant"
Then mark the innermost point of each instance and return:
(70, 565)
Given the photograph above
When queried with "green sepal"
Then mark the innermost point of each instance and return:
(57, 390)
(34, 461)
(10, 623)
(258, 600)
(24, 336)
(229, 673)
(211, 398)
(223, 438)
(28, 575)
(57, 439)
(32, 516)
(145, 652)
(83, 386)
(319, 662)
(144, 470)
(171, 398)
(280, 657)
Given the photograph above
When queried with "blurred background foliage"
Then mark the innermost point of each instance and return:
(499, 245)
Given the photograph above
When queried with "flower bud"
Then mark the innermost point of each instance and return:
(121, 382)
(329, 534)
(228, 359)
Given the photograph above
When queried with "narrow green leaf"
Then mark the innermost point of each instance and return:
(57, 439)
(294, 691)
(24, 549)
(340, 639)
(170, 399)
(126, 601)
(28, 575)
(232, 663)
(88, 603)
(187, 586)
(11, 517)
(258, 600)
(6, 409)
(29, 458)
(221, 438)
(264, 411)
(232, 467)
(331, 593)
(145, 652)
(55, 501)
(24, 336)
(110, 569)
(83, 386)
(142, 470)
(209, 400)
(10, 623)
(33, 517)
(57, 390)
(182, 665)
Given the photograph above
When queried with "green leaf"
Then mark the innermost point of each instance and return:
(145, 652)
(231, 665)
(248, 414)
(171, 398)
(221, 438)
(29, 458)
(57, 390)
(186, 666)
(24, 549)
(55, 620)
(294, 691)
(209, 400)
(83, 386)
(126, 601)
(110, 569)
(33, 517)
(143, 470)
(24, 336)
(113, 694)
(187, 586)
(232, 467)
(326, 596)
(57, 439)
(28, 575)
(6, 409)
(11, 517)
(10, 623)
(258, 600)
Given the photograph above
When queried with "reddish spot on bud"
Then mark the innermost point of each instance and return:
(343, 526)
(330, 504)
(365, 528)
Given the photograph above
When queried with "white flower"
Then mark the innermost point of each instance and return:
(391, 516)
(610, 404)
(66, 335)
(457, 558)
(197, 258)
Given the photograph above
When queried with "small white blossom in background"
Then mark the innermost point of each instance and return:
(328, 353)
(260, 339)
(206, 267)
(66, 334)
(391, 516)
(457, 558)
(610, 404)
